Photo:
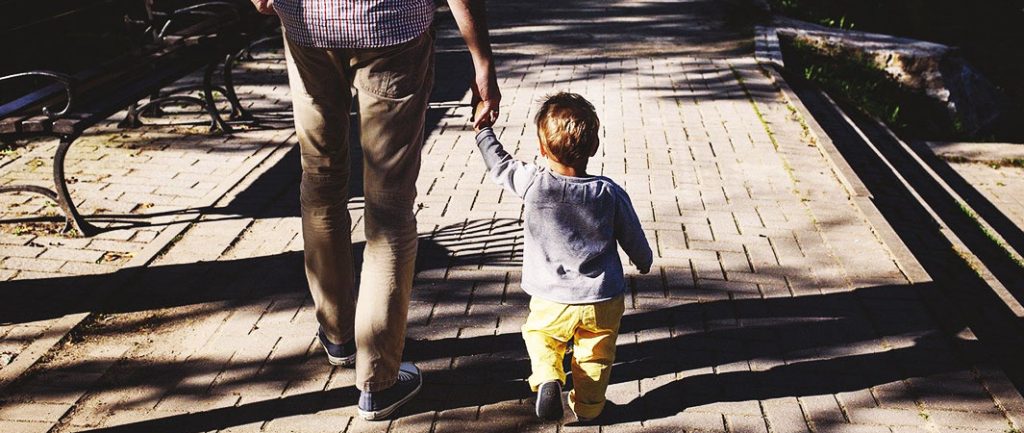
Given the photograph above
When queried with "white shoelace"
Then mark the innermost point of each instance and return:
(404, 376)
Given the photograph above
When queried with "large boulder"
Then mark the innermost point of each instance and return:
(975, 106)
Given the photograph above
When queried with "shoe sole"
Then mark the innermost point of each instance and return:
(556, 414)
(345, 361)
(386, 412)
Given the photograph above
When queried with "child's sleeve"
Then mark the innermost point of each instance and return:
(515, 176)
(630, 234)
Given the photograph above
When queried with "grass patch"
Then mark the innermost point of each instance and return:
(1001, 163)
(1009, 162)
(987, 32)
(854, 80)
(991, 236)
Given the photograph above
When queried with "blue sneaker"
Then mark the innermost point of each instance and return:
(338, 354)
(377, 405)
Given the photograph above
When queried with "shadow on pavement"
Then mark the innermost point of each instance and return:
(494, 243)
(803, 346)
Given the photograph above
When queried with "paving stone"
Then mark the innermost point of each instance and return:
(24, 427)
(43, 412)
(948, 418)
(741, 423)
(891, 417)
(34, 264)
(689, 421)
(784, 415)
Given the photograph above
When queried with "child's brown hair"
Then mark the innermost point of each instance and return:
(568, 127)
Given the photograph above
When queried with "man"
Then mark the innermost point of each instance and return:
(385, 49)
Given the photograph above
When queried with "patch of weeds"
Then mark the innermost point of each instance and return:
(6, 148)
(757, 111)
(969, 260)
(991, 236)
(88, 326)
(805, 130)
(855, 80)
(39, 228)
(840, 23)
(955, 159)
(1008, 162)
(1000, 163)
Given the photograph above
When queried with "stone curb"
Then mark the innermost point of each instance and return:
(859, 194)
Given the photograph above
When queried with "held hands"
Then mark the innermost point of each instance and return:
(265, 7)
(486, 98)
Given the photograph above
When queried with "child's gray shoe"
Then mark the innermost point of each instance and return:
(549, 401)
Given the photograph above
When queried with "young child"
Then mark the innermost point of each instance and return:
(571, 266)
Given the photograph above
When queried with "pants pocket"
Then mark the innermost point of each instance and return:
(395, 72)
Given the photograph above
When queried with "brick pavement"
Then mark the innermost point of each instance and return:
(773, 306)
(140, 186)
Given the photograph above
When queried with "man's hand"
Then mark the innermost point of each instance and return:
(471, 16)
(485, 91)
(265, 7)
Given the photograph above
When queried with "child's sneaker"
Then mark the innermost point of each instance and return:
(549, 400)
(338, 354)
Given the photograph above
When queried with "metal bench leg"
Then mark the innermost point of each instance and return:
(71, 216)
(246, 53)
(131, 120)
(153, 110)
(216, 122)
(237, 111)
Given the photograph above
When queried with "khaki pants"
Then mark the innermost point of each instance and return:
(393, 85)
(593, 329)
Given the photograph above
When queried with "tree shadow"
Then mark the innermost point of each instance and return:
(721, 351)
(474, 243)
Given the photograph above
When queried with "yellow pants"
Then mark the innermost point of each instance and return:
(594, 328)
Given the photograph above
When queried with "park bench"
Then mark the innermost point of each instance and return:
(155, 44)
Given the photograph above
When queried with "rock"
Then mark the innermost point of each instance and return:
(6, 358)
(975, 106)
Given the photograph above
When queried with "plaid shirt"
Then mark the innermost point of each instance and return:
(354, 23)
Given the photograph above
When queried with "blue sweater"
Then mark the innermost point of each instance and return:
(572, 225)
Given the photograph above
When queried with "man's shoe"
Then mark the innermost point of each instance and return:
(338, 354)
(377, 405)
(549, 400)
